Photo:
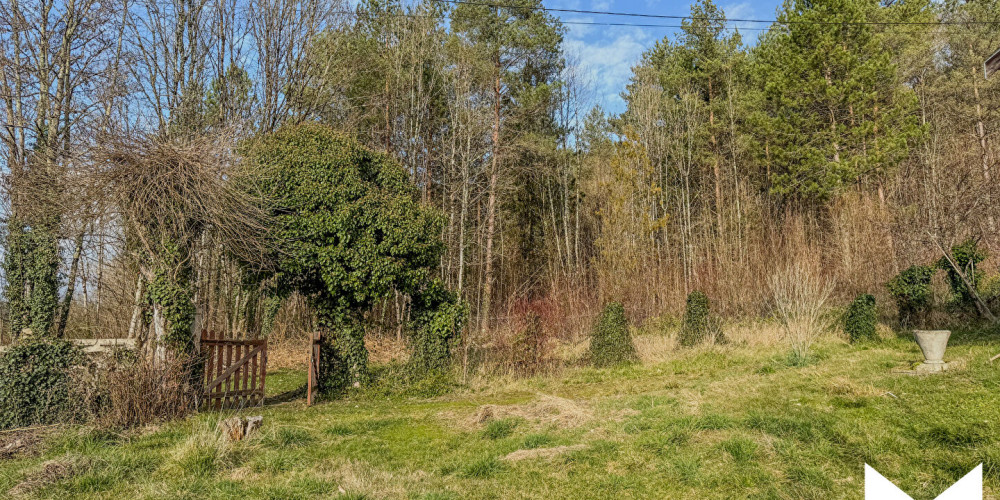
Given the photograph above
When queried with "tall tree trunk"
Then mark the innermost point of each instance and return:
(134, 324)
(716, 171)
(491, 201)
(984, 151)
(70, 285)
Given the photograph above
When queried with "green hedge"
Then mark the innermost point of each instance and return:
(967, 256)
(35, 384)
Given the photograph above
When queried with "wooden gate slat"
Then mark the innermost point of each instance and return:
(240, 386)
(235, 371)
(245, 372)
(228, 380)
(221, 378)
(217, 402)
(232, 379)
(253, 376)
(208, 358)
(263, 371)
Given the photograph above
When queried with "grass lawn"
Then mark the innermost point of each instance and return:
(720, 422)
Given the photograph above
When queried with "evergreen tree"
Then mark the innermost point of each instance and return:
(837, 111)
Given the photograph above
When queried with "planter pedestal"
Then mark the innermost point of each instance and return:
(933, 344)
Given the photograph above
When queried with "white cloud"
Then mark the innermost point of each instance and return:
(607, 59)
(744, 10)
(738, 10)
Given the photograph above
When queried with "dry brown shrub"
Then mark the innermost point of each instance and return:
(142, 393)
(800, 294)
(518, 349)
(386, 349)
(287, 352)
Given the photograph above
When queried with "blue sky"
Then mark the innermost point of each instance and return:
(607, 53)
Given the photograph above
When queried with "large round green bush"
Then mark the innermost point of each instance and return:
(35, 383)
(610, 342)
(347, 229)
(697, 323)
(861, 318)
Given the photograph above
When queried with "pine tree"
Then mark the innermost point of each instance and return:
(836, 109)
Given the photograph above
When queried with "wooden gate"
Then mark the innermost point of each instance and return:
(234, 371)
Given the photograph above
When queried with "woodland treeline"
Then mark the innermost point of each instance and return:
(853, 135)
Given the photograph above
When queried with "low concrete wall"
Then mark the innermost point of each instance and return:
(96, 346)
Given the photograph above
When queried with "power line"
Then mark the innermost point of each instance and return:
(676, 26)
(717, 19)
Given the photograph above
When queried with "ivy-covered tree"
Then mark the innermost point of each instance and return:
(31, 263)
(347, 230)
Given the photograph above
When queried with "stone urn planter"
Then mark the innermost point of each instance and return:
(932, 343)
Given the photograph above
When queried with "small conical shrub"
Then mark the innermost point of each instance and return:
(861, 317)
(611, 342)
(912, 291)
(696, 326)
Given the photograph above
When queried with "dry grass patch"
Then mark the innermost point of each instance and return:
(761, 333)
(655, 348)
(359, 477)
(547, 409)
(543, 453)
(288, 352)
(843, 386)
(21, 443)
(50, 472)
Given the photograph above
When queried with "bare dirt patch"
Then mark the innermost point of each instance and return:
(545, 453)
